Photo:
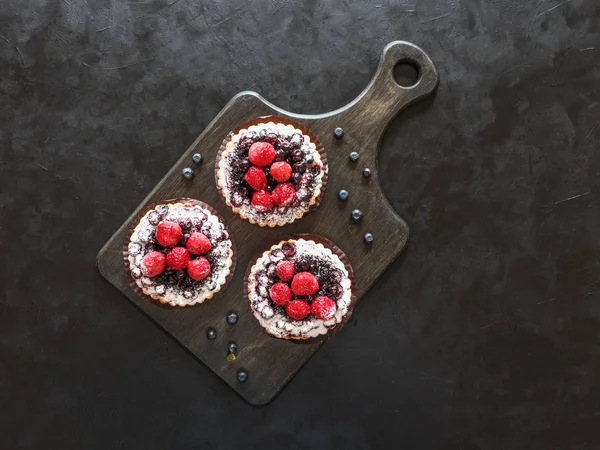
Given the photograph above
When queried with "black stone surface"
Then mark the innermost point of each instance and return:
(483, 335)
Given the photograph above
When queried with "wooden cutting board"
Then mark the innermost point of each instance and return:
(271, 363)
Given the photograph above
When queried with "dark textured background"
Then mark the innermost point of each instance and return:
(485, 334)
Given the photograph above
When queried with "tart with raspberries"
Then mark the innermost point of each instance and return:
(179, 252)
(271, 171)
(301, 290)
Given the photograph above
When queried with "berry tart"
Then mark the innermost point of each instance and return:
(179, 252)
(301, 290)
(271, 171)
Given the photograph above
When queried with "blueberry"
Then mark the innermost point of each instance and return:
(243, 164)
(309, 159)
(187, 173)
(356, 215)
(242, 375)
(354, 156)
(368, 238)
(232, 318)
(299, 167)
(197, 158)
(338, 133)
(232, 347)
(343, 195)
(211, 334)
(366, 172)
(297, 155)
(288, 249)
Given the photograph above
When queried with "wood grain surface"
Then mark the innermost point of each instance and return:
(271, 363)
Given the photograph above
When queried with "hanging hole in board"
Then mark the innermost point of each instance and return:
(406, 73)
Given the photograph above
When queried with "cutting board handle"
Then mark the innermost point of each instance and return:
(384, 98)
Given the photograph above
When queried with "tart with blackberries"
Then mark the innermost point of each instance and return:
(179, 252)
(301, 290)
(271, 171)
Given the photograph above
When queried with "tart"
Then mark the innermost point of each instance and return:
(179, 252)
(271, 172)
(301, 290)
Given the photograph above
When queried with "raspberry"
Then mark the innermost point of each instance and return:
(281, 171)
(280, 294)
(262, 201)
(198, 244)
(153, 264)
(304, 283)
(199, 268)
(298, 309)
(168, 233)
(178, 258)
(256, 178)
(261, 154)
(285, 270)
(284, 194)
(323, 308)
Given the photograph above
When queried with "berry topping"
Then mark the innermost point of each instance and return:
(305, 283)
(288, 249)
(281, 171)
(178, 258)
(280, 294)
(298, 309)
(323, 308)
(198, 244)
(284, 194)
(285, 270)
(153, 264)
(256, 178)
(262, 201)
(198, 268)
(261, 154)
(168, 233)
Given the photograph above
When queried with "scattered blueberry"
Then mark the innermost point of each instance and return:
(187, 173)
(242, 375)
(368, 238)
(309, 159)
(343, 195)
(356, 215)
(366, 172)
(232, 318)
(197, 158)
(232, 347)
(354, 156)
(211, 334)
(338, 133)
